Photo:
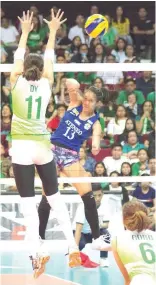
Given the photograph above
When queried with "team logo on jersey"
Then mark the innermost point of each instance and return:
(77, 122)
(75, 112)
(90, 122)
(87, 126)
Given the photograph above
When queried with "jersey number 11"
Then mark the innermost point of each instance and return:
(30, 104)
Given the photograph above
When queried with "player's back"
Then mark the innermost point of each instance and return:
(29, 103)
(137, 252)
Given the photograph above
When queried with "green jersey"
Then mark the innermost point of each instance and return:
(137, 251)
(29, 104)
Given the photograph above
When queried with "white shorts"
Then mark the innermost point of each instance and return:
(27, 152)
(142, 279)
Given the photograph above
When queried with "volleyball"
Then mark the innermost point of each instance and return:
(96, 25)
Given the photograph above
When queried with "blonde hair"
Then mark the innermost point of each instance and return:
(135, 216)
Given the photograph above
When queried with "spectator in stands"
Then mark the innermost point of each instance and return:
(129, 53)
(145, 123)
(35, 11)
(94, 10)
(116, 125)
(130, 88)
(93, 44)
(133, 74)
(99, 54)
(62, 40)
(119, 51)
(37, 36)
(144, 31)
(130, 149)
(82, 56)
(152, 169)
(58, 114)
(87, 162)
(73, 49)
(146, 194)
(86, 78)
(151, 148)
(6, 115)
(98, 83)
(133, 109)
(110, 38)
(111, 77)
(77, 30)
(9, 34)
(50, 109)
(145, 83)
(99, 170)
(117, 200)
(141, 167)
(151, 97)
(114, 162)
(129, 126)
(81, 227)
(2, 13)
(122, 24)
(126, 169)
(5, 162)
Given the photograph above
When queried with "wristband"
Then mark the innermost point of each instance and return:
(19, 54)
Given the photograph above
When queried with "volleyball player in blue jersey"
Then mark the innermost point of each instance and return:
(78, 124)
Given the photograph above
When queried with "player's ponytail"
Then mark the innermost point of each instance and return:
(33, 67)
(135, 216)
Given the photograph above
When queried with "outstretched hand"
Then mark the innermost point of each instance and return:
(55, 22)
(26, 22)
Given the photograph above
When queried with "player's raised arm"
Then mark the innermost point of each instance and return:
(26, 26)
(74, 93)
(96, 138)
(53, 25)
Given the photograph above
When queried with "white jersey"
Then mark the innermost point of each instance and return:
(29, 103)
(137, 252)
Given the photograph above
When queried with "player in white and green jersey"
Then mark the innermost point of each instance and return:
(135, 248)
(31, 83)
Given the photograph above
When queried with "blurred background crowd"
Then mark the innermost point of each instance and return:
(130, 38)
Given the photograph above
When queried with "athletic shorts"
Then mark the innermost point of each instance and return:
(27, 152)
(64, 157)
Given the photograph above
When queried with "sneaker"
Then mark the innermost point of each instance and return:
(74, 257)
(104, 262)
(100, 243)
(38, 264)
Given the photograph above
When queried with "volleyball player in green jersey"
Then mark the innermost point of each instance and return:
(135, 248)
(31, 83)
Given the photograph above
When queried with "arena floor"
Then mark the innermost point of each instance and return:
(15, 268)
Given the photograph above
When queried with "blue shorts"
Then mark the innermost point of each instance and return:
(64, 157)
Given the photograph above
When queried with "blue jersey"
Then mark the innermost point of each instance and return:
(72, 131)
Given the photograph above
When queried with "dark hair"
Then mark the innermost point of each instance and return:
(114, 172)
(33, 67)
(132, 131)
(134, 125)
(98, 93)
(142, 110)
(39, 24)
(105, 172)
(123, 19)
(129, 166)
(96, 187)
(120, 39)
(144, 150)
(116, 119)
(73, 47)
(130, 80)
(116, 145)
(6, 105)
(94, 53)
(98, 77)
